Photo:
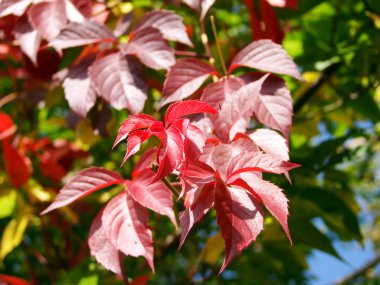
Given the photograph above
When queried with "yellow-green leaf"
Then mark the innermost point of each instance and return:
(213, 249)
(8, 199)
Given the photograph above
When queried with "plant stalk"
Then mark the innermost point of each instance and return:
(212, 19)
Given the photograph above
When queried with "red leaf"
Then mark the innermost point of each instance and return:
(118, 80)
(102, 248)
(184, 78)
(7, 128)
(28, 38)
(151, 48)
(272, 198)
(48, 18)
(194, 142)
(155, 196)
(284, 3)
(80, 34)
(134, 143)
(185, 108)
(79, 91)
(266, 56)
(127, 227)
(133, 123)
(146, 160)
(168, 23)
(12, 280)
(198, 203)
(15, 7)
(271, 143)
(274, 107)
(17, 165)
(84, 183)
(240, 218)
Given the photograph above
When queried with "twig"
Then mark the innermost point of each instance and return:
(190, 53)
(170, 186)
(221, 59)
(204, 40)
(361, 271)
(8, 98)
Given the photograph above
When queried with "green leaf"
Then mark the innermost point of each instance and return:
(8, 199)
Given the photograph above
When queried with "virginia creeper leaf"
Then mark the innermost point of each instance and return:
(28, 38)
(82, 184)
(14, 7)
(271, 143)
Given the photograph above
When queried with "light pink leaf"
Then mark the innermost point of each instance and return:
(284, 3)
(184, 78)
(272, 198)
(84, 183)
(185, 108)
(84, 33)
(266, 56)
(221, 155)
(155, 196)
(198, 203)
(123, 24)
(14, 7)
(205, 6)
(240, 218)
(133, 123)
(168, 23)
(194, 142)
(102, 248)
(79, 91)
(151, 48)
(127, 227)
(274, 107)
(28, 38)
(83, 6)
(271, 143)
(48, 18)
(118, 79)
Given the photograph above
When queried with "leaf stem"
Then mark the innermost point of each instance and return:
(212, 19)
(171, 187)
(204, 40)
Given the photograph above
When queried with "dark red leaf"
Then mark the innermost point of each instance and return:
(155, 196)
(151, 48)
(168, 23)
(48, 18)
(117, 79)
(80, 34)
(28, 38)
(185, 108)
(17, 165)
(266, 56)
(184, 78)
(82, 184)
(126, 227)
(7, 127)
(79, 91)
(272, 27)
(101, 246)
(240, 218)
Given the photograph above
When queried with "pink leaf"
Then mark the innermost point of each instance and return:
(146, 160)
(274, 107)
(14, 7)
(127, 227)
(272, 198)
(185, 108)
(123, 24)
(240, 218)
(48, 18)
(151, 48)
(83, 6)
(199, 201)
(155, 196)
(266, 56)
(168, 23)
(80, 34)
(132, 123)
(28, 38)
(205, 6)
(194, 142)
(184, 78)
(79, 91)
(271, 142)
(134, 143)
(102, 248)
(118, 80)
(84, 183)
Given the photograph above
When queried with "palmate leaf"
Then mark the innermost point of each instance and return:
(168, 23)
(118, 80)
(184, 78)
(266, 56)
(271, 143)
(48, 18)
(79, 91)
(82, 184)
(150, 48)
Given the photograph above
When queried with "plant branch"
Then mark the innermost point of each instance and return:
(190, 53)
(204, 40)
(8, 98)
(361, 271)
(171, 187)
(221, 59)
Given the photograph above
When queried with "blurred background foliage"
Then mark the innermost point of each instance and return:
(335, 137)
